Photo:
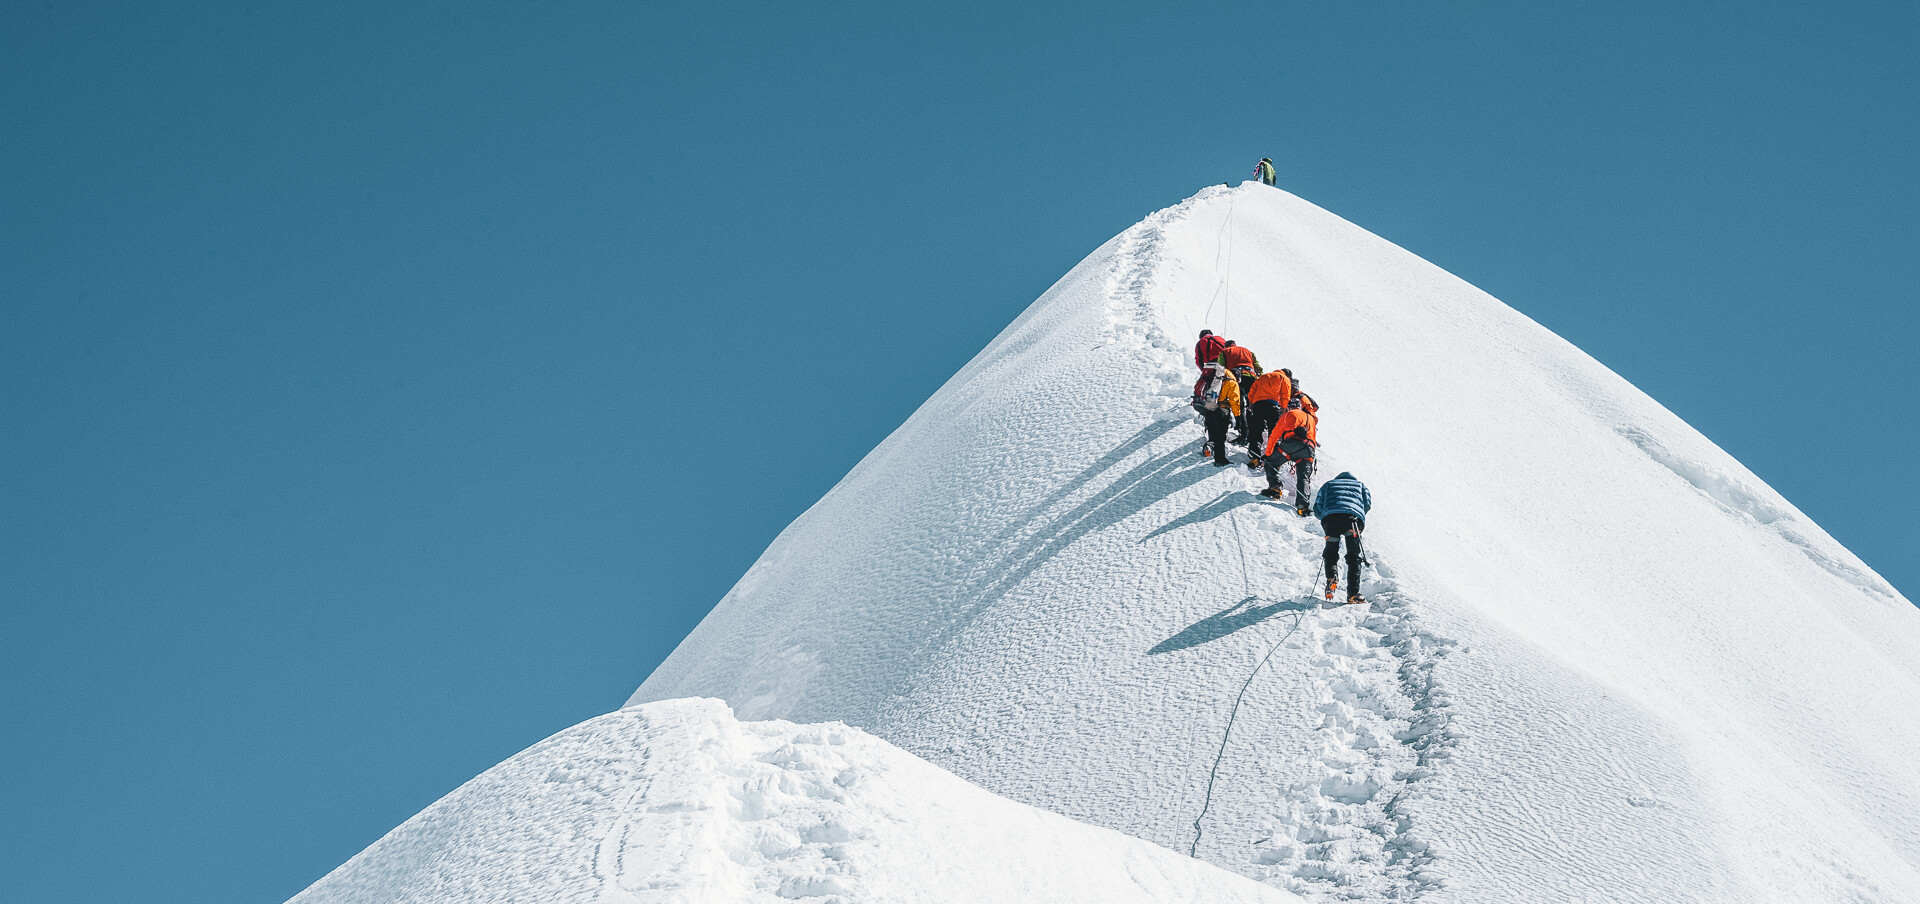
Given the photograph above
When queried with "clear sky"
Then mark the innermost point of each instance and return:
(388, 386)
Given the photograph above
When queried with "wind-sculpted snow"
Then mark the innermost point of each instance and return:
(679, 802)
(1602, 660)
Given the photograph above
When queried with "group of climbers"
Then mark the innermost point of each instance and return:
(1279, 424)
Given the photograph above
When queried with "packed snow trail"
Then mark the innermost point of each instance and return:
(1349, 827)
(1602, 660)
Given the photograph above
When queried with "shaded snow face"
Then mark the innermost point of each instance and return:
(679, 802)
(1601, 661)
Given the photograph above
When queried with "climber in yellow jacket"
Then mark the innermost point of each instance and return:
(1225, 408)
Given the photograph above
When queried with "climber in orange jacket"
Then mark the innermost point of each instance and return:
(1294, 437)
(1235, 356)
(1265, 399)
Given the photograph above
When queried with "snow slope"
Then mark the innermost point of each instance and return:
(1603, 661)
(679, 802)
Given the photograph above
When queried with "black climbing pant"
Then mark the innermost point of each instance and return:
(1260, 420)
(1241, 420)
(1217, 421)
(1337, 526)
(1301, 455)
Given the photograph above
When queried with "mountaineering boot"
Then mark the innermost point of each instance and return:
(1272, 493)
(1206, 449)
(1333, 586)
(1255, 463)
(1301, 508)
(1353, 598)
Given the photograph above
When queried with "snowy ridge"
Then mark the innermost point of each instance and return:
(1569, 684)
(1351, 829)
(1346, 828)
(679, 802)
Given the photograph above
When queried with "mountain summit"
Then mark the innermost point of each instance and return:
(1602, 661)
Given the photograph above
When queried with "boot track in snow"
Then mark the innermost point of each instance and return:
(1348, 826)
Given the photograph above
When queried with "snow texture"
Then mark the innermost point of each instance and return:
(679, 802)
(1602, 660)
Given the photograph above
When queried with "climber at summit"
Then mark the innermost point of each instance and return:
(1264, 171)
(1341, 505)
(1264, 401)
(1293, 438)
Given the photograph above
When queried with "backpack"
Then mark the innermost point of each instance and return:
(1304, 433)
(1215, 376)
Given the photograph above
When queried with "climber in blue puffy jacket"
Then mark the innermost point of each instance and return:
(1342, 505)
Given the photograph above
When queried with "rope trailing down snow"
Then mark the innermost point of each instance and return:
(1234, 713)
(1226, 280)
(1217, 757)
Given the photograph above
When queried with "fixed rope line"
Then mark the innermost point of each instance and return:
(1227, 282)
(1234, 713)
(1217, 757)
(1226, 305)
(1240, 543)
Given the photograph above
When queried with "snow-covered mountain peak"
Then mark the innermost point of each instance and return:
(1603, 660)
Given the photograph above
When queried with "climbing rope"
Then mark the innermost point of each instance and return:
(1213, 773)
(1226, 282)
(1217, 757)
(1240, 543)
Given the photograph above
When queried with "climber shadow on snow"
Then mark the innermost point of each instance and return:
(1053, 532)
(1140, 440)
(1222, 504)
(1037, 532)
(1132, 492)
(1243, 614)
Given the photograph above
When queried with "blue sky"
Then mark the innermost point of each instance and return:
(388, 388)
